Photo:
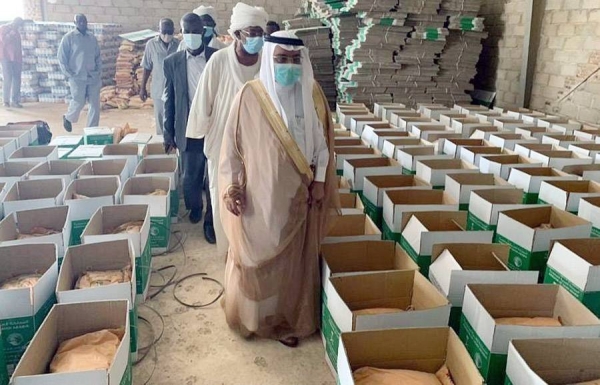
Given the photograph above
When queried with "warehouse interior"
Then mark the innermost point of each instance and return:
(465, 135)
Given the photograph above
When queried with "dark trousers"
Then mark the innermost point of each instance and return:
(11, 72)
(195, 178)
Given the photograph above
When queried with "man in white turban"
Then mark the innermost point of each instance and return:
(225, 74)
(209, 19)
(277, 187)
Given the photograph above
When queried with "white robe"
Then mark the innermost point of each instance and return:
(221, 80)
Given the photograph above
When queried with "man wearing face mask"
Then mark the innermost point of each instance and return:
(278, 187)
(209, 19)
(225, 74)
(155, 54)
(80, 61)
(182, 72)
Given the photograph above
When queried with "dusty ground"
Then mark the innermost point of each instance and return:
(197, 346)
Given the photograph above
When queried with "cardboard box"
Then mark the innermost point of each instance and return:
(29, 129)
(389, 113)
(393, 289)
(12, 172)
(529, 242)
(562, 140)
(105, 256)
(23, 222)
(424, 130)
(470, 109)
(105, 219)
(23, 310)
(566, 128)
(395, 116)
(434, 171)
(435, 112)
(454, 146)
(105, 167)
(136, 192)
(7, 147)
(23, 138)
(589, 209)
(68, 321)
(34, 194)
(168, 167)
(550, 121)
(398, 205)
(355, 170)
(375, 187)
(68, 141)
(485, 132)
(380, 108)
(473, 154)
(344, 153)
(589, 172)
(506, 123)
(343, 185)
(421, 349)
(34, 154)
(508, 141)
(575, 265)
(586, 149)
(446, 118)
(454, 266)
(130, 152)
(587, 133)
(502, 165)
(351, 141)
(156, 150)
(573, 360)
(487, 116)
(353, 227)
(345, 117)
(350, 203)
(137, 138)
(426, 229)
(466, 127)
(559, 158)
(406, 122)
(485, 205)
(566, 195)
(67, 170)
(101, 191)
(487, 342)
(409, 156)
(87, 152)
(357, 124)
(530, 180)
(534, 132)
(460, 186)
(391, 146)
(99, 135)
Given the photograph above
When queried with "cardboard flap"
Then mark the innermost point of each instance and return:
(104, 167)
(122, 149)
(501, 196)
(55, 218)
(94, 187)
(502, 301)
(425, 295)
(348, 225)
(571, 311)
(157, 166)
(475, 256)
(459, 362)
(33, 152)
(17, 169)
(354, 151)
(36, 189)
(57, 167)
(145, 185)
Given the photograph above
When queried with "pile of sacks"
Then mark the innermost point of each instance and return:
(115, 97)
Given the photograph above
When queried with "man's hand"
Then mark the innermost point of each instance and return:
(143, 94)
(317, 193)
(170, 146)
(235, 200)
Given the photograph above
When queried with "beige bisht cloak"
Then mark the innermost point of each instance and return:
(272, 274)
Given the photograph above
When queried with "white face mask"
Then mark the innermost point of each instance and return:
(166, 38)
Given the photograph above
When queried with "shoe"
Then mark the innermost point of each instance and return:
(67, 125)
(291, 342)
(17, 105)
(195, 216)
(209, 234)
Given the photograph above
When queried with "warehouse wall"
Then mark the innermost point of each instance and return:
(140, 14)
(569, 53)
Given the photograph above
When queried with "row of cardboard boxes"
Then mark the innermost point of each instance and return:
(472, 280)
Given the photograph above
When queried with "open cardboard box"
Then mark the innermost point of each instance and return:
(561, 140)
(567, 128)
(470, 109)
(24, 222)
(105, 167)
(168, 167)
(130, 152)
(343, 185)
(586, 149)
(456, 265)
(115, 255)
(402, 290)
(453, 146)
(378, 137)
(99, 230)
(406, 122)
(376, 185)
(529, 242)
(355, 170)
(101, 191)
(530, 180)
(566, 195)
(587, 133)
(473, 154)
(67, 170)
(409, 156)
(350, 203)
(525, 115)
(23, 310)
(575, 265)
(389, 112)
(396, 115)
(439, 137)
(460, 186)
(550, 121)
(157, 150)
(501, 165)
(67, 141)
(350, 141)
(33, 194)
(7, 147)
(485, 206)
(488, 116)
(358, 123)
(534, 132)
(446, 118)
(391, 146)
(420, 349)
(487, 341)
(34, 154)
(87, 152)
(344, 153)
(399, 204)
(509, 140)
(68, 321)
(466, 127)
(348, 115)
(560, 158)
(426, 229)
(573, 360)
(434, 112)
(485, 132)
(590, 172)
(424, 130)
(30, 129)
(23, 138)
(99, 135)
(589, 209)
(507, 123)
(380, 108)
(353, 227)
(434, 171)
(137, 191)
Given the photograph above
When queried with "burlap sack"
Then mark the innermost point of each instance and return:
(374, 376)
(37, 231)
(443, 375)
(128, 228)
(92, 351)
(103, 278)
(158, 192)
(528, 321)
(376, 311)
(21, 282)
(80, 196)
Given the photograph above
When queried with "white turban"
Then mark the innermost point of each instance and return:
(244, 16)
(204, 10)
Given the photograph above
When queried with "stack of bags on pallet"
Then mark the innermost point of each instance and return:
(129, 60)
(489, 221)
(113, 97)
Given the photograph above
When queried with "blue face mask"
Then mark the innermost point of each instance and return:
(253, 45)
(208, 32)
(287, 74)
(193, 41)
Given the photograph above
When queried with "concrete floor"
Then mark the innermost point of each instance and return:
(197, 347)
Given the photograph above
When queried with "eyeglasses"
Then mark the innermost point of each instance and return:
(253, 32)
(284, 59)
